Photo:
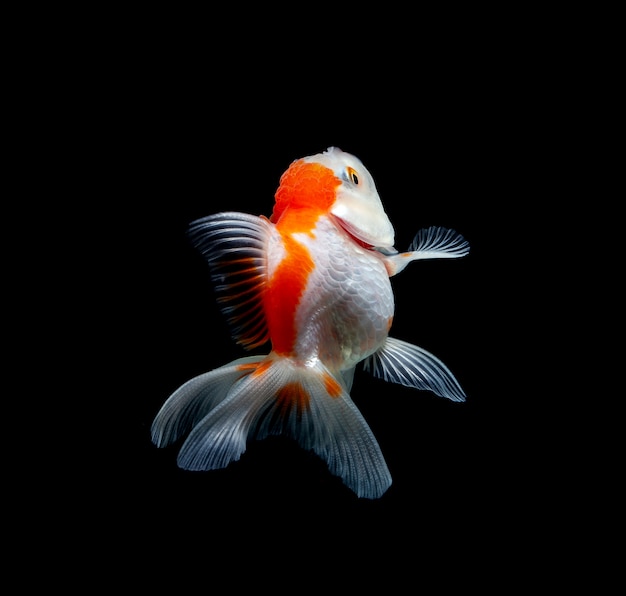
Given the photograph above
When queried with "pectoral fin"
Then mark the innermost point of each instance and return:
(400, 362)
(429, 243)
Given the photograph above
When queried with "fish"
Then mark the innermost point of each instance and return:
(309, 288)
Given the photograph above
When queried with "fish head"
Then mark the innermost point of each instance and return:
(339, 183)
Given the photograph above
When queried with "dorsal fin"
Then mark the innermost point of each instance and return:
(234, 245)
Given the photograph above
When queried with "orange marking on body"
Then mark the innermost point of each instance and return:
(256, 368)
(261, 367)
(249, 366)
(332, 387)
(292, 395)
(306, 191)
(284, 292)
(389, 322)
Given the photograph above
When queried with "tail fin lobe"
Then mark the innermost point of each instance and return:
(268, 396)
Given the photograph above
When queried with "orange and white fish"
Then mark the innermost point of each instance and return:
(313, 281)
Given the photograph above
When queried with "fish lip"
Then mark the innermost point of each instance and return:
(387, 251)
(361, 239)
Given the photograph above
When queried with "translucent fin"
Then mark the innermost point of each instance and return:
(193, 400)
(429, 243)
(277, 396)
(234, 245)
(401, 362)
(221, 436)
(332, 426)
(438, 243)
(348, 378)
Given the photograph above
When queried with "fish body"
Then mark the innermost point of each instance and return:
(313, 282)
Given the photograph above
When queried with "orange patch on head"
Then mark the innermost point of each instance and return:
(305, 186)
(292, 395)
(332, 387)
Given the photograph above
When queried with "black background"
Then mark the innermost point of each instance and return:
(459, 132)
(434, 164)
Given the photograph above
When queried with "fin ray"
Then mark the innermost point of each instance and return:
(429, 243)
(234, 245)
(400, 362)
(438, 243)
(307, 404)
(191, 401)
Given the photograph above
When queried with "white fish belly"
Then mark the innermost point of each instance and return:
(348, 305)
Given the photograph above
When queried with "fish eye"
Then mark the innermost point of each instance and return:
(352, 175)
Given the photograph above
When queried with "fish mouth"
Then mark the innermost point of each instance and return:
(364, 241)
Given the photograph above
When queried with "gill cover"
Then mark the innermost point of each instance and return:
(358, 207)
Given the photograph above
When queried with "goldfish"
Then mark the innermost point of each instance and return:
(312, 283)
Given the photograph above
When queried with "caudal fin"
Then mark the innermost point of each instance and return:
(193, 400)
(253, 398)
